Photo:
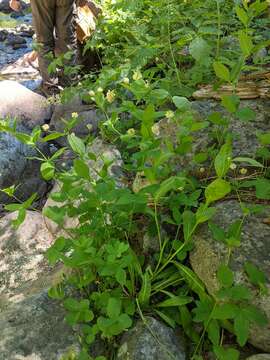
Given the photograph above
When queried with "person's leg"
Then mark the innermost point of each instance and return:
(65, 24)
(44, 22)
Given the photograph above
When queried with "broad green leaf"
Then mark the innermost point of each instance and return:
(181, 103)
(217, 190)
(225, 276)
(249, 161)
(76, 144)
(256, 276)
(245, 114)
(169, 184)
(199, 49)
(114, 307)
(223, 159)
(81, 169)
(221, 71)
(242, 16)
(245, 41)
(47, 170)
(235, 293)
(225, 311)
(230, 102)
(241, 328)
(262, 189)
(189, 223)
(226, 354)
(204, 213)
(213, 331)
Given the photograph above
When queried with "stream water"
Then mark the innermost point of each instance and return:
(12, 66)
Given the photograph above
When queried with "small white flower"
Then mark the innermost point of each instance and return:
(137, 75)
(110, 96)
(91, 93)
(100, 90)
(243, 171)
(169, 114)
(126, 80)
(45, 127)
(155, 129)
(74, 115)
(131, 132)
(89, 127)
(233, 166)
(202, 170)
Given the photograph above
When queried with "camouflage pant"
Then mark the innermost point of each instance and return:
(50, 18)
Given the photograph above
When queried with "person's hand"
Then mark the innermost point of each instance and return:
(15, 5)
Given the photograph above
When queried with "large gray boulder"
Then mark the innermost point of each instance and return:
(32, 325)
(244, 133)
(152, 341)
(88, 119)
(259, 357)
(17, 169)
(209, 254)
(29, 108)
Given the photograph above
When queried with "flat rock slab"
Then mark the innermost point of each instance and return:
(17, 169)
(209, 254)
(35, 329)
(22, 262)
(259, 357)
(154, 341)
(27, 107)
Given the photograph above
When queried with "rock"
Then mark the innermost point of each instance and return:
(245, 141)
(88, 119)
(32, 325)
(208, 254)
(99, 149)
(259, 357)
(34, 329)
(22, 264)
(14, 39)
(140, 344)
(16, 169)
(29, 108)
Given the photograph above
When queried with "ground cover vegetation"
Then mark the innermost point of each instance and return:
(154, 55)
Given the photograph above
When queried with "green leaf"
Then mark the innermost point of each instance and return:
(246, 44)
(213, 331)
(223, 159)
(262, 189)
(226, 354)
(47, 170)
(194, 282)
(189, 223)
(175, 301)
(242, 16)
(81, 169)
(230, 102)
(76, 144)
(172, 183)
(166, 318)
(203, 310)
(225, 311)
(145, 292)
(235, 293)
(218, 233)
(241, 328)
(245, 114)
(199, 49)
(217, 190)
(114, 308)
(204, 213)
(255, 315)
(225, 276)
(181, 103)
(249, 161)
(221, 71)
(121, 276)
(256, 276)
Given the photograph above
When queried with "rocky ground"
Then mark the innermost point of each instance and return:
(32, 325)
